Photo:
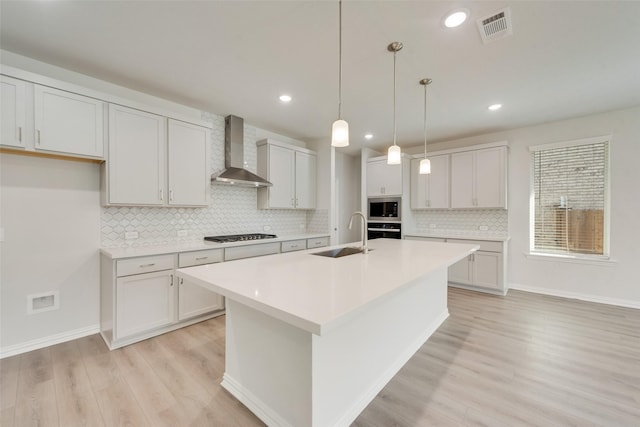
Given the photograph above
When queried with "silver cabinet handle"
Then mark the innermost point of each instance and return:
(161, 194)
(147, 265)
(202, 258)
(20, 133)
(170, 195)
(172, 280)
(38, 137)
(181, 281)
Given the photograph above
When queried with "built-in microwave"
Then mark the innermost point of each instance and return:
(384, 209)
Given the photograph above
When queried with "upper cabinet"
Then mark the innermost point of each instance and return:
(68, 123)
(430, 191)
(478, 178)
(155, 161)
(38, 118)
(292, 171)
(383, 179)
(13, 113)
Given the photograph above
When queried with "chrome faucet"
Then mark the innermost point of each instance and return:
(364, 248)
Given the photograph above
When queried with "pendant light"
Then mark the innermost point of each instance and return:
(425, 164)
(340, 129)
(394, 156)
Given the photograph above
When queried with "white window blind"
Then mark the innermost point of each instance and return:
(570, 185)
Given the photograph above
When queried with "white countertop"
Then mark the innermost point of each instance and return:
(458, 236)
(136, 251)
(315, 293)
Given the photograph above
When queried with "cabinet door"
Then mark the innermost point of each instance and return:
(376, 172)
(194, 300)
(430, 190)
(189, 179)
(136, 164)
(144, 302)
(392, 181)
(438, 183)
(487, 269)
(460, 272)
(305, 180)
(282, 176)
(12, 112)
(462, 179)
(68, 123)
(489, 178)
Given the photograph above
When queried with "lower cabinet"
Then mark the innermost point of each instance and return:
(483, 270)
(193, 299)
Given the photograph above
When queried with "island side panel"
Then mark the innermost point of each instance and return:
(354, 361)
(268, 366)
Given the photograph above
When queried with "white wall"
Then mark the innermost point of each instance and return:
(348, 196)
(50, 212)
(615, 282)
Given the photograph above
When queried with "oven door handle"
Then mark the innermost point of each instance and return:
(392, 230)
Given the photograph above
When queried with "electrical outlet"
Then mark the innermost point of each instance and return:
(432, 226)
(47, 301)
(483, 228)
(129, 235)
(183, 233)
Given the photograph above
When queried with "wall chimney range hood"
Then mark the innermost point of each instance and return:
(234, 172)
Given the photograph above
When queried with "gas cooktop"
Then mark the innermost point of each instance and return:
(239, 237)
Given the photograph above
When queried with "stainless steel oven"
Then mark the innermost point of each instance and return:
(384, 209)
(384, 230)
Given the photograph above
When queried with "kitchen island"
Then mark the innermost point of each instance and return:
(311, 340)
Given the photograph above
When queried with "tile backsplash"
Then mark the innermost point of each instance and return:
(231, 210)
(462, 222)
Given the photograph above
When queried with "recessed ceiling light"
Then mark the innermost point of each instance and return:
(495, 107)
(368, 135)
(285, 98)
(455, 18)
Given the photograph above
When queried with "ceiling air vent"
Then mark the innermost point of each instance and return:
(495, 26)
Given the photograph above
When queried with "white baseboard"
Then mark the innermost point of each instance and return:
(576, 295)
(38, 343)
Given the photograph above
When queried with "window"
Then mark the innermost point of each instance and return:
(570, 198)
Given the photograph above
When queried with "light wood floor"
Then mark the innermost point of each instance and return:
(522, 360)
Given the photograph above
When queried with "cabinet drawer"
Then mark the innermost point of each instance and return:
(189, 259)
(485, 245)
(425, 239)
(239, 252)
(128, 267)
(317, 242)
(294, 245)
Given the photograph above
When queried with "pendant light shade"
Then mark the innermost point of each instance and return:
(425, 164)
(340, 134)
(394, 155)
(340, 129)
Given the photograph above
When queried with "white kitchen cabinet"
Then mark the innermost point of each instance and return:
(136, 163)
(317, 242)
(13, 112)
(293, 245)
(148, 168)
(292, 171)
(430, 191)
(144, 302)
(478, 178)
(69, 123)
(189, 181)
(383, 179)
(193, 299)
(484, 268)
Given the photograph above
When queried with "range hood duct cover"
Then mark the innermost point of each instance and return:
(234, 172)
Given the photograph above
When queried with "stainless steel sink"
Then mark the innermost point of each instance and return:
(339, 252)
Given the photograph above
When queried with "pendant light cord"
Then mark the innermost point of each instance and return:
(425, 121)
(340, 62)
(394, 97)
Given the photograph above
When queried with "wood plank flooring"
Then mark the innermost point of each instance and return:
(521, 360)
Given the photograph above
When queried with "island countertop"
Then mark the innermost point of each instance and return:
(316, 293)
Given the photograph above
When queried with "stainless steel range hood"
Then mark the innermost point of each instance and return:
(234, 172)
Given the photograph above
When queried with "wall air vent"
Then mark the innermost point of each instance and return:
(495, 26)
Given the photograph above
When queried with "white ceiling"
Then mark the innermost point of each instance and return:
(565, 59)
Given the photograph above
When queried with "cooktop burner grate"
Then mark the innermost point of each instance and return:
(239, 237)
